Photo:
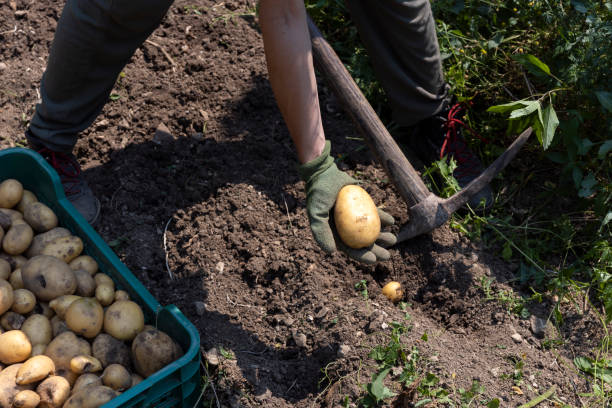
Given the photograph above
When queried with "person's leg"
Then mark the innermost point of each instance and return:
(93, 42)
(400, 37)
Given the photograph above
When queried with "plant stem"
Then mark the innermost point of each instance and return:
(539, 398)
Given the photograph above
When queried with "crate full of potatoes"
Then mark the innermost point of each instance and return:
(77, 329)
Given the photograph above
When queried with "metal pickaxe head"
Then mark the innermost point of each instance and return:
(427, 210)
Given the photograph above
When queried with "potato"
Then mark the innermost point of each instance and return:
(58, 326)
(5, 268)
(91, 397)
(12, 321)
(64, 347)
(85, 317)
(8, 387)
(86, 380)
(26, 399)
(85, 364)
(44, 309)
(14, 347)
(68, 375)
(136, 379)
(85, 262)
(5, 221)
(104, 279)
(110, 350)
(117, 377)
(123, 320)
(53, 391)
(61, 304)
(356, 217)
(35, 369)
(152, 350)
(38, 329)
(64, 248)
(105, 294)
(86, 285)
(41, 240)
(48, 277)
(38, 350)
(121, 295)
(16, 280)
(24, 301)
(27, 197)
(11, 192)
(40, 217)
(6, 296)
(393, 291)
(17, 239)
(19, 260)
(13, 215)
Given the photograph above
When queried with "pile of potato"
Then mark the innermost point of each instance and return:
(68, 338)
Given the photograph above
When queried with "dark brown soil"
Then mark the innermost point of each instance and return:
(215, 214)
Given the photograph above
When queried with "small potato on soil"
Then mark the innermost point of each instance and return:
(85, 262)
(53, 391)
(110, 350)
(123, 320)
(117, 377)
(35, 369)
(40, 217)
(91, 397)
(64, 248)
(14, 347)
(26, 399)
(393, 291)
(48, 277)
(152, 350)
(11, 192)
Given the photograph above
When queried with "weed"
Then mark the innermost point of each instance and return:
(362, 287)
(227, 354)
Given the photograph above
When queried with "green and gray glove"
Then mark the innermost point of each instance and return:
(323, 182)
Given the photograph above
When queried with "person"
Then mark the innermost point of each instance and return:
(94, 40)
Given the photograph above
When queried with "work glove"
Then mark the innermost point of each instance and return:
(323, 182)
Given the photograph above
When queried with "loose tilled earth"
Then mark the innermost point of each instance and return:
(216, 203)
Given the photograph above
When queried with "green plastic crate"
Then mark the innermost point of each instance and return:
(176, 385)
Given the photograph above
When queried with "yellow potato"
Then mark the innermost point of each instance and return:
(105, 294)
(356, 217)
(11, 192)
(136, 379)
(53, 391)
(91, 397)
(40, 217)
(24, 301)
(16, 280)
(5, 268)
(64, 248)
(27, 198)
(38, 329)
(123, 320)
(86, 285)
(17, 239)
(61, 304)
(152, 350)
(41, 240)
(85, 317)
(104, 279)
(85, 364)
(64, 347)
(13, 215)
(8, 387)
(6, 296)
(393, 291)
(14, 347)
(85, 262)
(11, 320)
(35, 369)
(48, 277)
(117, 377)
(26, 399)
(121, 295)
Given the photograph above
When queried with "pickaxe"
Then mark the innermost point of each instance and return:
(427, 210)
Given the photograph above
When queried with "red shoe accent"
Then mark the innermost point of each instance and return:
(67, 168)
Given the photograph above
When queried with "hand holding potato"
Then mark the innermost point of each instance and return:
(323, 183)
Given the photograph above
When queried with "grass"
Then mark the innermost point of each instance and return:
(523, 63)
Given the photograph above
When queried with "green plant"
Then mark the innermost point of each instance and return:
(362, 287)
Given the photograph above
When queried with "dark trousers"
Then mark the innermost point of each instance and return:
(96, 38)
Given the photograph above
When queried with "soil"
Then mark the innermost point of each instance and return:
(211, 210)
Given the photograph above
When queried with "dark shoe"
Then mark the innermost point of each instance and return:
(76, 188)
(441, 135)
